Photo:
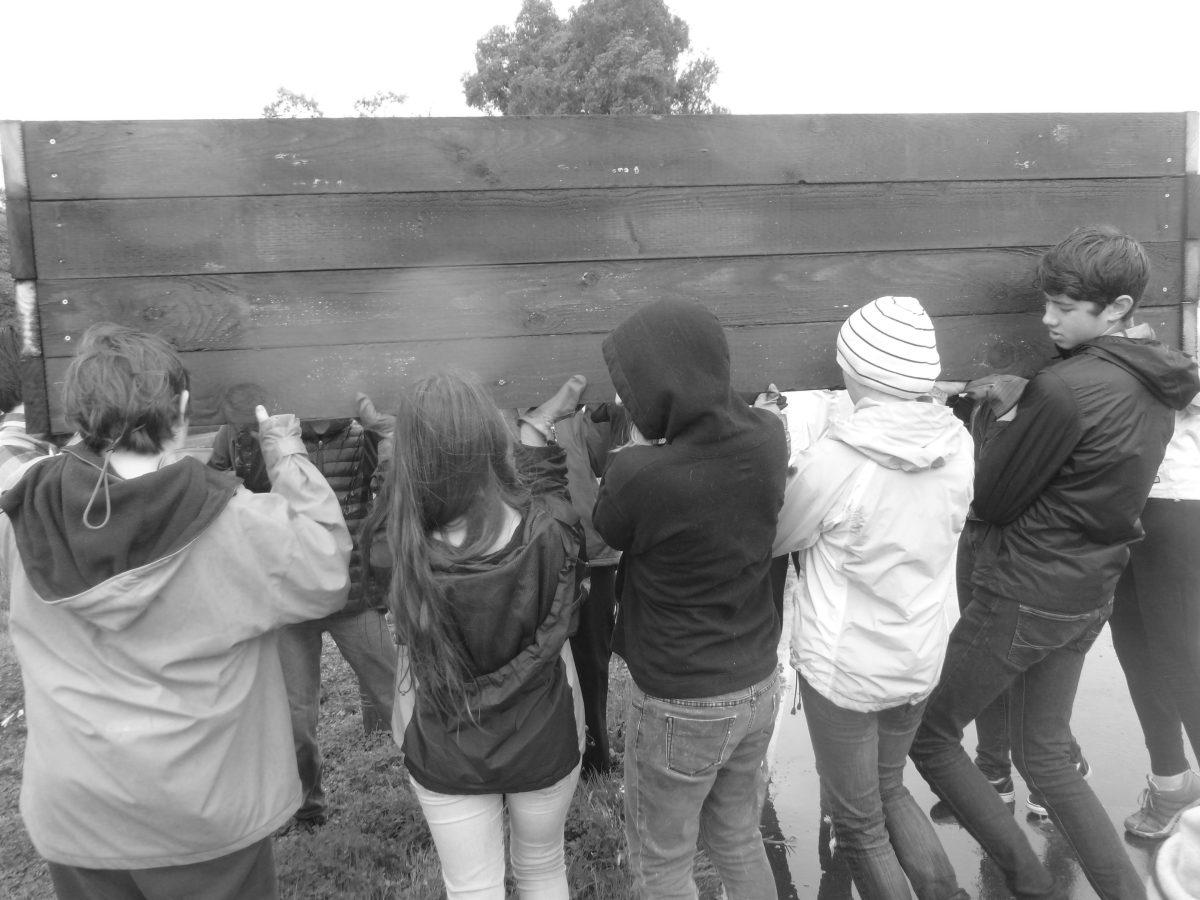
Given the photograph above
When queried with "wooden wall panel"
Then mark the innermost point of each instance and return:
(322, 381)
(229, 312)
(16, 201)
(103, 238)
(305, 156)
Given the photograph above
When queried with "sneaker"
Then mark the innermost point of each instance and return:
(1160, 810)
(1004, 787)
(1036, 804)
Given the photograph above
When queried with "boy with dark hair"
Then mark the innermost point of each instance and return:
(146, 591)
(347, 455)
(1060, 487)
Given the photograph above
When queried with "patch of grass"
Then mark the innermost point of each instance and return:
(375, 845)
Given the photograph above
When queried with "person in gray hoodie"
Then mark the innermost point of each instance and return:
(146, 591)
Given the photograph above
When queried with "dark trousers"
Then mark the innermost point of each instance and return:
(591, 645)
(992, 754)
(1156, 631)
(247, 874)
(1036, 656)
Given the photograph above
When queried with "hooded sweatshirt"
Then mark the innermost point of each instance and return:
(876, 506)
(1063, 484)
(156, 707)
(694, 512)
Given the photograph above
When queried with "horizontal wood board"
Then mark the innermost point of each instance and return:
(104, 238)
(71, 160)
(322, 381)
(297, 309)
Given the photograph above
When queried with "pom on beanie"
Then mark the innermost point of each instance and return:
(889, 345)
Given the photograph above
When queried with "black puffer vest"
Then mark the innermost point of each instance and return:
(344, 452)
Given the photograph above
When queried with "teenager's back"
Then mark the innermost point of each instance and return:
(695, 515)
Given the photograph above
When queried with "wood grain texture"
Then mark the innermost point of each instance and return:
(70, 160)
(16, 194)
(101, 238)
(229, 312)
(322, 381)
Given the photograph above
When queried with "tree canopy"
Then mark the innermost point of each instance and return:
(607, 56)
(293, 105)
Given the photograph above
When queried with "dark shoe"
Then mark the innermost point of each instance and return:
(1004, 787)
(1160, 810)
(308, 825)
(1036, 804)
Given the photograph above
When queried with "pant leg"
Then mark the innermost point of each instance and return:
(917, 847)
(1151, 695)
(300, 657)
(365, 642)
(1042, 701)
(846, 747)
(732, 811)
(674, 751)
(247, 874)
(976, 671)
(1166, 567)
(591, 646)
(468, 832)
(76, 883)
(535, 820)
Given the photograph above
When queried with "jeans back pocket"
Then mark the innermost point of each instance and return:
(695, 746)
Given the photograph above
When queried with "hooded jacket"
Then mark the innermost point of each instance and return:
(513, 611)
(1063, 484)
(158, 719)
(877, 505)
(694, 513)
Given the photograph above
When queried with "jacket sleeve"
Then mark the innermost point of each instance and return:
(610, 518)
(221, 457)
(1019, 459)
(808, 497)
(297, 531)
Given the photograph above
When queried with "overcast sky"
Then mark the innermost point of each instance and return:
(126, 59)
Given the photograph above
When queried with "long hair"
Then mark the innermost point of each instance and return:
(453, 465)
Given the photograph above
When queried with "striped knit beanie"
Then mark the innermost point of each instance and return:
(889, 345)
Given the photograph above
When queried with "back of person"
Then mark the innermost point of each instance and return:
(692, 503)
(694, 515)
(145, 592)
(879, 570)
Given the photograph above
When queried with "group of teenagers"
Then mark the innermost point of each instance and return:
(951, 568)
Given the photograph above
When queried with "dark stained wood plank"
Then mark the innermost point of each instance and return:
(322, 381)
(100, 238)
(16, 195)
(229, 312)
(304, 156)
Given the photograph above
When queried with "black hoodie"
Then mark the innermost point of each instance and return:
(1063, 485)
(695, 515)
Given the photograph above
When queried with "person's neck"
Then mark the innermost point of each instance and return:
(130, 464)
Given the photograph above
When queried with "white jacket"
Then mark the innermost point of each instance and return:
(877, 505)
(1179, 475)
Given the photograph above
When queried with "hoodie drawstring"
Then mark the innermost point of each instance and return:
(103, 479)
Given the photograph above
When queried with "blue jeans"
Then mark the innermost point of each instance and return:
(885, 837)
(694, 771)
(366, 643)
(1036, 656)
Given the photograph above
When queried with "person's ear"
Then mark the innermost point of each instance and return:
(184, 397)
(1119, 309)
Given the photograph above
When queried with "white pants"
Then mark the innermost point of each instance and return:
(468, 831)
